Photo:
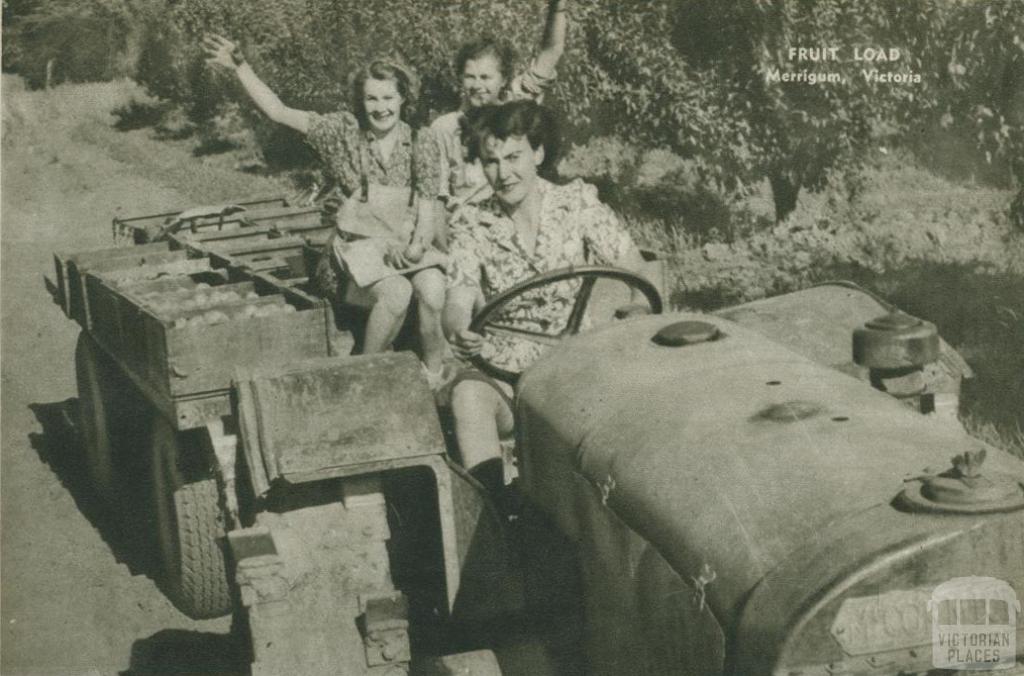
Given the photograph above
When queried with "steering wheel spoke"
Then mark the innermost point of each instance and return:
(589, 274)
(579, 308)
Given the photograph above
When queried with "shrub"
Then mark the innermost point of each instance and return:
(52, 41)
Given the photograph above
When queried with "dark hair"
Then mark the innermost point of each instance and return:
(526, 118)
(384, 69)
(488, 45)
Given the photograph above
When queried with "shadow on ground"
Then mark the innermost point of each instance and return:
(126, 525)
(176, 651)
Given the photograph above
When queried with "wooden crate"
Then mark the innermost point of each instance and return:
(71, 267)
(180, 359)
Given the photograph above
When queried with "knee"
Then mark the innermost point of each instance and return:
(430, 291)
(393, 294)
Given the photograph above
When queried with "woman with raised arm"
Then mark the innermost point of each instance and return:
(485, 71)
(370, 152)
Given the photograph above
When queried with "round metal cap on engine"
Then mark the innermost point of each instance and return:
(963, 489)
(895, 341)
(679, 334)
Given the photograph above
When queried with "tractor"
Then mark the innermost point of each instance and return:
(778, 488)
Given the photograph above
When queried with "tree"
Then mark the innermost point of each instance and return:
(719, 80)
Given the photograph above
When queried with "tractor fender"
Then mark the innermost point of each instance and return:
(333, 417)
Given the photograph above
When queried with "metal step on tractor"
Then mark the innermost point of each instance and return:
(780, 487)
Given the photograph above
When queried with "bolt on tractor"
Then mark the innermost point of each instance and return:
(778, 488)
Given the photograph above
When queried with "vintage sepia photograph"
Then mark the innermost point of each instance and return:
(512, 337)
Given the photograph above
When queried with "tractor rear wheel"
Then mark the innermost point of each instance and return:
(190, 527)
(95, 373)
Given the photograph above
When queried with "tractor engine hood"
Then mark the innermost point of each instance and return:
(773, 478)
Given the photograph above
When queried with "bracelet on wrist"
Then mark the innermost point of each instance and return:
(237, 57)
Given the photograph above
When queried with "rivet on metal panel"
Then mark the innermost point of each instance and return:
(877, 661)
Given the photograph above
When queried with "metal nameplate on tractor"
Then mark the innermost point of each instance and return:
(888, 621)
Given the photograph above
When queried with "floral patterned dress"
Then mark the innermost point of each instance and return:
(485, 253)
(341, 145)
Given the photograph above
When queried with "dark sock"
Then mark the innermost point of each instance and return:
(491, 474)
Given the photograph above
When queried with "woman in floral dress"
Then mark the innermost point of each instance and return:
(372, 144)
(526, 227)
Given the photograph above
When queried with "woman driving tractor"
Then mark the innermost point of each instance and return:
(529, 226)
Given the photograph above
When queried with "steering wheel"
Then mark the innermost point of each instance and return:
(483, 321)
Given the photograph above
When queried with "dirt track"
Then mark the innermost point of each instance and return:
(77, 593)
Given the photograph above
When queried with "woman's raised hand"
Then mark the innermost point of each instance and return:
(221, 51)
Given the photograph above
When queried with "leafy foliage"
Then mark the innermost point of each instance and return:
(704, 79)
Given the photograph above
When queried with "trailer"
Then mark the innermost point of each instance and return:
(205, 348)
(754, 491)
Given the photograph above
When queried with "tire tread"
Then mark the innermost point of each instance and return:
(202, 588)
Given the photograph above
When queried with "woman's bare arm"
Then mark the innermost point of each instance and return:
(224, 52)
(552, 44)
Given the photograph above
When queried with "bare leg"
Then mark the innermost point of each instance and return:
(429, 288)
(481, 415)
(390, 303)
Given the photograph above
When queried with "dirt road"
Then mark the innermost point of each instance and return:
(77, 592)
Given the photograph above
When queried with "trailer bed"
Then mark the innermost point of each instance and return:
(181, 315)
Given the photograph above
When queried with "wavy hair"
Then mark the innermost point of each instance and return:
(390, 68)
(537, 123)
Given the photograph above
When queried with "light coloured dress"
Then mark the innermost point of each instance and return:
(485, 253)
(462, 181)
(352, 158)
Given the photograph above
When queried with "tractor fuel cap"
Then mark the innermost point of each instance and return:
(896, 340)
(963, 489)
(679, 334)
